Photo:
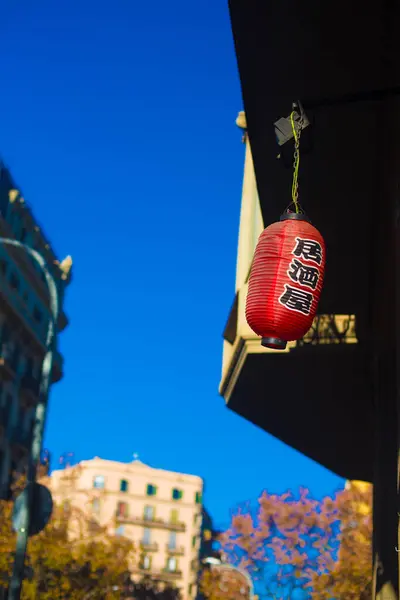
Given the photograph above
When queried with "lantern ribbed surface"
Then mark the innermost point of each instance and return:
(285, 281)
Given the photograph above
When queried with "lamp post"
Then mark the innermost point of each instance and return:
(218, 564)
(14, 591)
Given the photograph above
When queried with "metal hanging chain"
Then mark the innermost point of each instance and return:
(296, 162)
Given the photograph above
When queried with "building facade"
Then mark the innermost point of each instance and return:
(160, 511)
(24, 318)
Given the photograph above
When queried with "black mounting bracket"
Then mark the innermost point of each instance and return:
(284, 128)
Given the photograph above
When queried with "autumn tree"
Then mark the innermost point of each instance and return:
(149, 589)
(218, 583)
(349, 574)
(299, 548)
(73, 558)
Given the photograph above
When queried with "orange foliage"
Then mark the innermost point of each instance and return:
(219, 584)
(298, 547)
(89, 563)
(350, 577)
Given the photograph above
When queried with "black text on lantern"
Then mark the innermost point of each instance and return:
(308, 249)
(294, 298)
(303, 274)
(297, 300)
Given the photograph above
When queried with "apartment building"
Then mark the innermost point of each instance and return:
(24, 319)
(160, 511)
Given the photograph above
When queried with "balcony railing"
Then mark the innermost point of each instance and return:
(157, 574)
(171, 574)
(13, 298)
(331, 329)
(175, 551)
(38, 330)
(152, 522)
(149, 546)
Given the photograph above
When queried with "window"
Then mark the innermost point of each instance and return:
(146, 536)
(98, 482)
(37, 314)
(122, 509)
(177, 494)
(23, 233)
(194, 565)
(146, 562)
(198, 498)
(14, 281)
(194, 541)
(123, 486)
(96, 505)
(148, 513)
(197, 519)
(151, 490)
(120, 530)
(171, 564)
(174, 516)
(172, 541)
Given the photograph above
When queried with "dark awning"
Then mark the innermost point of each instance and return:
(315, 399)
(336, 58)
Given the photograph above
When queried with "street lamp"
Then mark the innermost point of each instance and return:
(26, 505)
(218, 564)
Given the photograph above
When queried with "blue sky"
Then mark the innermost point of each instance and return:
(118, 123)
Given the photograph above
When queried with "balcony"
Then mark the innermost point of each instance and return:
(149, 546)
(154, 523)
(58, 368)
(157, 574)
(177, 551)
(18, 310)
(19, 313)
(169, 575)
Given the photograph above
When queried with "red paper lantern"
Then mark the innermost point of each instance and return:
(285, 281)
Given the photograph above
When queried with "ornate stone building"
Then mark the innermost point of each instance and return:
(24, 318)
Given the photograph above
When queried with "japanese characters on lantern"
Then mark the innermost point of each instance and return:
(294, 298)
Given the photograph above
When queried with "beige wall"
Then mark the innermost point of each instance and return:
(103, 503)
